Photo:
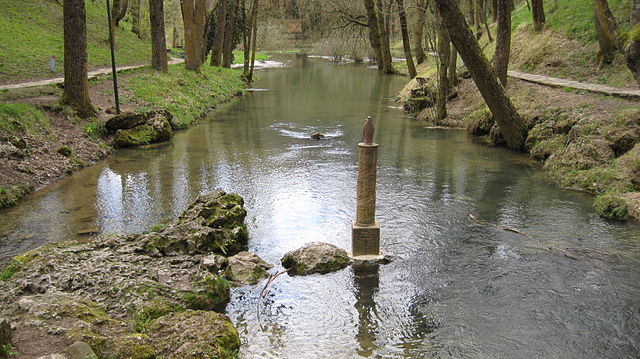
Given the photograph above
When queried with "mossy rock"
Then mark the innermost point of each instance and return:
(194, 334)
(246, 268)
(480, 122)
(66, 151)
(156, 130)
(611, 206)
(212, 292)
(315, 257)
(12, 195)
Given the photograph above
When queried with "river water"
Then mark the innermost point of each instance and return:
(455, 288)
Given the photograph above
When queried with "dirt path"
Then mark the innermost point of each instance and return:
(556, 82)
(91, 74)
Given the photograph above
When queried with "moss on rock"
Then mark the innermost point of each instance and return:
(611, 206)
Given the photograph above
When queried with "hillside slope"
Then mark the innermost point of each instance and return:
(32, 30)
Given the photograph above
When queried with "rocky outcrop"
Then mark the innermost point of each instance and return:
(315, 257)
(133, 296)
(246, 268)
(136, 129)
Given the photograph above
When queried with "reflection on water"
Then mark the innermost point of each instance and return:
(454, 289)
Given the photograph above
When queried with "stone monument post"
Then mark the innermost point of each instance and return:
(365, 230)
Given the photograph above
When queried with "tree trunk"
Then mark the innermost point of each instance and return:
(246, 39)
(193, 16)
(494, 10)
(76, 84)
(229, 35)
(218, 38)
(443, 64)
(418, 31)
(135, 17)
(452, 72)
(632, 51)
(158, 41)
(406, 42)
(537, 7)
(606, 31)
(254, 38)
(512, 126)
(387, 62)
(374, 32)
(503, 41)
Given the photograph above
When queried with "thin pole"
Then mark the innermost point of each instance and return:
(113, 60)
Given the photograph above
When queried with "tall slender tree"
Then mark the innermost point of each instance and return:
(158, 41)
(632, 50)
(537, 8)
(606, 32)
(218, 37)
(453, 67)
(374, 32)
(503, 41)
(193, 16)
(254, 39)
(511, 125)
(418, 30)
(443, 48)
(387, 60)
(134, 10)
(230, 34)
(76, 83)
(406, 42)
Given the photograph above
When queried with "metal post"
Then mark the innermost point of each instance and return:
(113, 60)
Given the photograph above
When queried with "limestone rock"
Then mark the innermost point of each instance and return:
(80, 350)
(125, 121)
(246, 268)
(315, 257)
(194, 335)
(214, 263)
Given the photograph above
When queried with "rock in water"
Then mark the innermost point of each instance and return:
(317, 136)
(315, 257)
(246, 268)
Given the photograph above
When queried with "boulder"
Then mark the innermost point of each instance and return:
(315, 257)
(156, 129)
(80, 350)
(317, 136)
(133, 296)
(246, 268)
(194, 334)
(125, 121)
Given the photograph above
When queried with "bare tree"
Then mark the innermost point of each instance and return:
(76, 84)
(158, 41)
(418, 30)
(503, 41)
(406, 42)
(374, 32)
(229, 34)
(387, 61)
(443, 49)
(511, 125)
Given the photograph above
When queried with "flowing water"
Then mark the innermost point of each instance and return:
(455, 288)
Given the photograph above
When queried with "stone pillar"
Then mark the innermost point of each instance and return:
(365, 230)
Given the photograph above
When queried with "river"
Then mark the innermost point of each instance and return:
(455, 288)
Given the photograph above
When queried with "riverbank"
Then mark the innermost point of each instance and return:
(42, 141)
(583, 141)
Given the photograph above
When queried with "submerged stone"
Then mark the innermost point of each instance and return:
(315, 257)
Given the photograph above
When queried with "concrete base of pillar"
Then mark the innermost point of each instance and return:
(365, 240)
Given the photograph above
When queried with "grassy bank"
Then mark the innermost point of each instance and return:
(41, 140)
(187, 94)
(32, 30)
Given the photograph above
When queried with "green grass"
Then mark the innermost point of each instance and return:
(11, 268)
(187, 94)
(19, 119)
(32, 30)
(238, 56)
(573, 18)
